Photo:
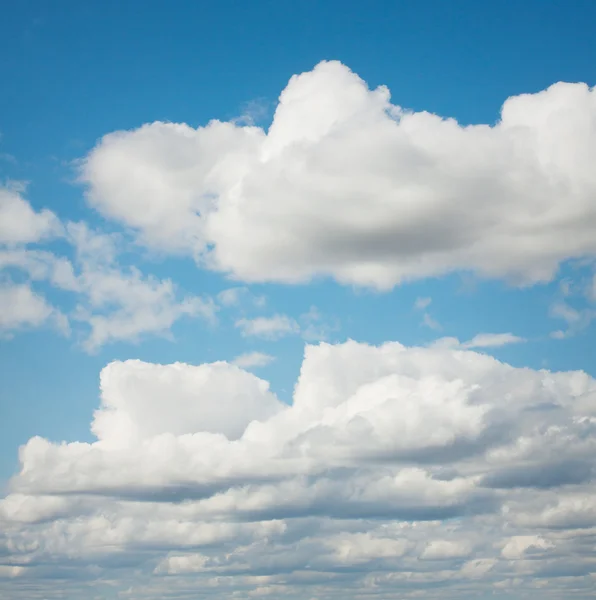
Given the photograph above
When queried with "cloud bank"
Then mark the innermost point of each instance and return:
(394, 470)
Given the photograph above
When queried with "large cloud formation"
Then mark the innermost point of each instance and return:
(346, 184)
(395, 470)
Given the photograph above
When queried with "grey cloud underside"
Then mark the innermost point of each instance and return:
(429, 470)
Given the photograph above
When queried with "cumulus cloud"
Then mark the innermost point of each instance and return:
(398, 468)
(346, 184)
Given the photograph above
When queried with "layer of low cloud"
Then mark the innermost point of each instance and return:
(395, 469)
(346, 184)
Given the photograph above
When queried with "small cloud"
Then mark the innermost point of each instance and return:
(234, 296)
(9, 158)
(254, 112)
(260, 301)
(21, 307)
(314, 326)
(253, 359)
(559, 334)
(481, 340)
(446, 342)
(493, 340)
(271, 328)
(231, 296)
(429, 322)
(577, 320)
(422, 303)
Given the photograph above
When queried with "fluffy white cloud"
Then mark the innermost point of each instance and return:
(19, 223)
(394, 469)
(346, 184)
(141, 400)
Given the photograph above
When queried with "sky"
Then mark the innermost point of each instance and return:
(297, 300)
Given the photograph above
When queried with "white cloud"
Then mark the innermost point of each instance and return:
(41, 265)
(445, 549)
(139, 403)
(315, 327)
(431, 323)
(200, 469)
(493, 340)
(481, 340)
(517, 546)
(346, 184)
(19, 223)
(422, 303)
(121, 304)
(231, 296)
(21, 307)
(234, 297)
(312, 326)
(271, 328)
(114, 302)
(577, 320)
(253, 359)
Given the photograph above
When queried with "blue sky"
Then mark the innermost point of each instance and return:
(226, 181)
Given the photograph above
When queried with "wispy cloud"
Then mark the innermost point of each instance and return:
(271, 328)
(481, 340)
(253, 359)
